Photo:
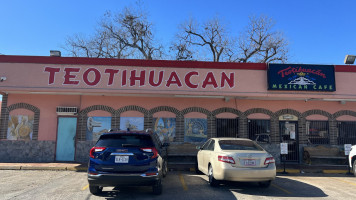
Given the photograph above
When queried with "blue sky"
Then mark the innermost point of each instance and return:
(319, 31)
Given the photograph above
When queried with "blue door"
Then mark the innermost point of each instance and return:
(67, 127)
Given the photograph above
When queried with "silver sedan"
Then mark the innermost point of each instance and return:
(236, 159)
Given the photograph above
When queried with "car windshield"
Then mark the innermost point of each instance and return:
(239, 145)
(123, 140)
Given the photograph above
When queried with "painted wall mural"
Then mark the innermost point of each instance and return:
(195, 130)
(97, 126)
(133, 123)
(165, 128)
(20, 127)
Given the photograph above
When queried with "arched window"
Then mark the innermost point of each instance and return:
(164, 124)
(346, 130)
(227, 125)
(317, 129)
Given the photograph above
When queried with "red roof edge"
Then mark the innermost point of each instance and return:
(145, 63)
(129, 62)
(345, 68)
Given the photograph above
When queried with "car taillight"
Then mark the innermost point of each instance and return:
(96, 149)
(269, 160)
(151, 150)
(226, 159)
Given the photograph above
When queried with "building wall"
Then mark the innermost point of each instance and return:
(86, 84)
(148, 107)
(48, 118)
(27, 151)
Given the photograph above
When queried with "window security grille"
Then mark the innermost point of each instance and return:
(227, 127)
(259, 130)
(318, 132)
(346, 132)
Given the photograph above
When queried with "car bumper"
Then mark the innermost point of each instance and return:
(230, 173)
(122, 179)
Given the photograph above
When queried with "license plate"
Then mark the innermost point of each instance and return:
(121, 159)
(250, 162)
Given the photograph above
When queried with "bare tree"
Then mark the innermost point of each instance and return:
(98, 46)
(259, 43)
(182, 51)
(123, 35)
(211, 36)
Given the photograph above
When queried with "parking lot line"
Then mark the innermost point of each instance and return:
(181, 178)
(85, 187)
(282, 189)
(348, 182)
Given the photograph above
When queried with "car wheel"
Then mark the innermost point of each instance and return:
(354, 168)
(164, 168)
(212, 181)
(265, 184)
(95, 190)
(157, 187)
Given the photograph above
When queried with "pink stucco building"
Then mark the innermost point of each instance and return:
(54, 108)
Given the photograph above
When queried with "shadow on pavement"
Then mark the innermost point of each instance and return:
(281, 187)
(173, 189)
(197, 188)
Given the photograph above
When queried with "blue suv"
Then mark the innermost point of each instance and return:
(127, 158)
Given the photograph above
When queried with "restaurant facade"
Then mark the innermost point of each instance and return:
(54, 108)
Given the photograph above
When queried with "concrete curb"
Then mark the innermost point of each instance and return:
(77, 169)
(44, 166)
(335, 171)
(84, 168)
(289, 171)
(10, 167)
(325, 171)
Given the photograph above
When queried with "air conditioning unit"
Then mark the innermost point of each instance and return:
(66, 110)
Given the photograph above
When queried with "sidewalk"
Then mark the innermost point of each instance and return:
(303, 168)
(290, 169)
(44, 166)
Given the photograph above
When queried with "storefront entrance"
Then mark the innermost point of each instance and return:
(288, 130)
(67, 127)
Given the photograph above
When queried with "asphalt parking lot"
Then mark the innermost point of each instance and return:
(36, 184)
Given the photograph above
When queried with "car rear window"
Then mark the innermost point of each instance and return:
(239, 145)
(124, 140)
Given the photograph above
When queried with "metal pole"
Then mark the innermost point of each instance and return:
(284, 164)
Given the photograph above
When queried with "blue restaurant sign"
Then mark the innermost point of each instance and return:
(301, 77)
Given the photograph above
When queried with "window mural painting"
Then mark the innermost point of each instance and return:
(195, 130)
(132, 123)
(165, 128)
(20, 127)
(97, 126)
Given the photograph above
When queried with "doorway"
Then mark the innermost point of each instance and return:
(289, 134)
(67, 128)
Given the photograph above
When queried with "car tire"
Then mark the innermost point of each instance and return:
(265, 184)
(212, 181)
(354, 167)
(157, 187)
(95, 190)
(164, 168)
